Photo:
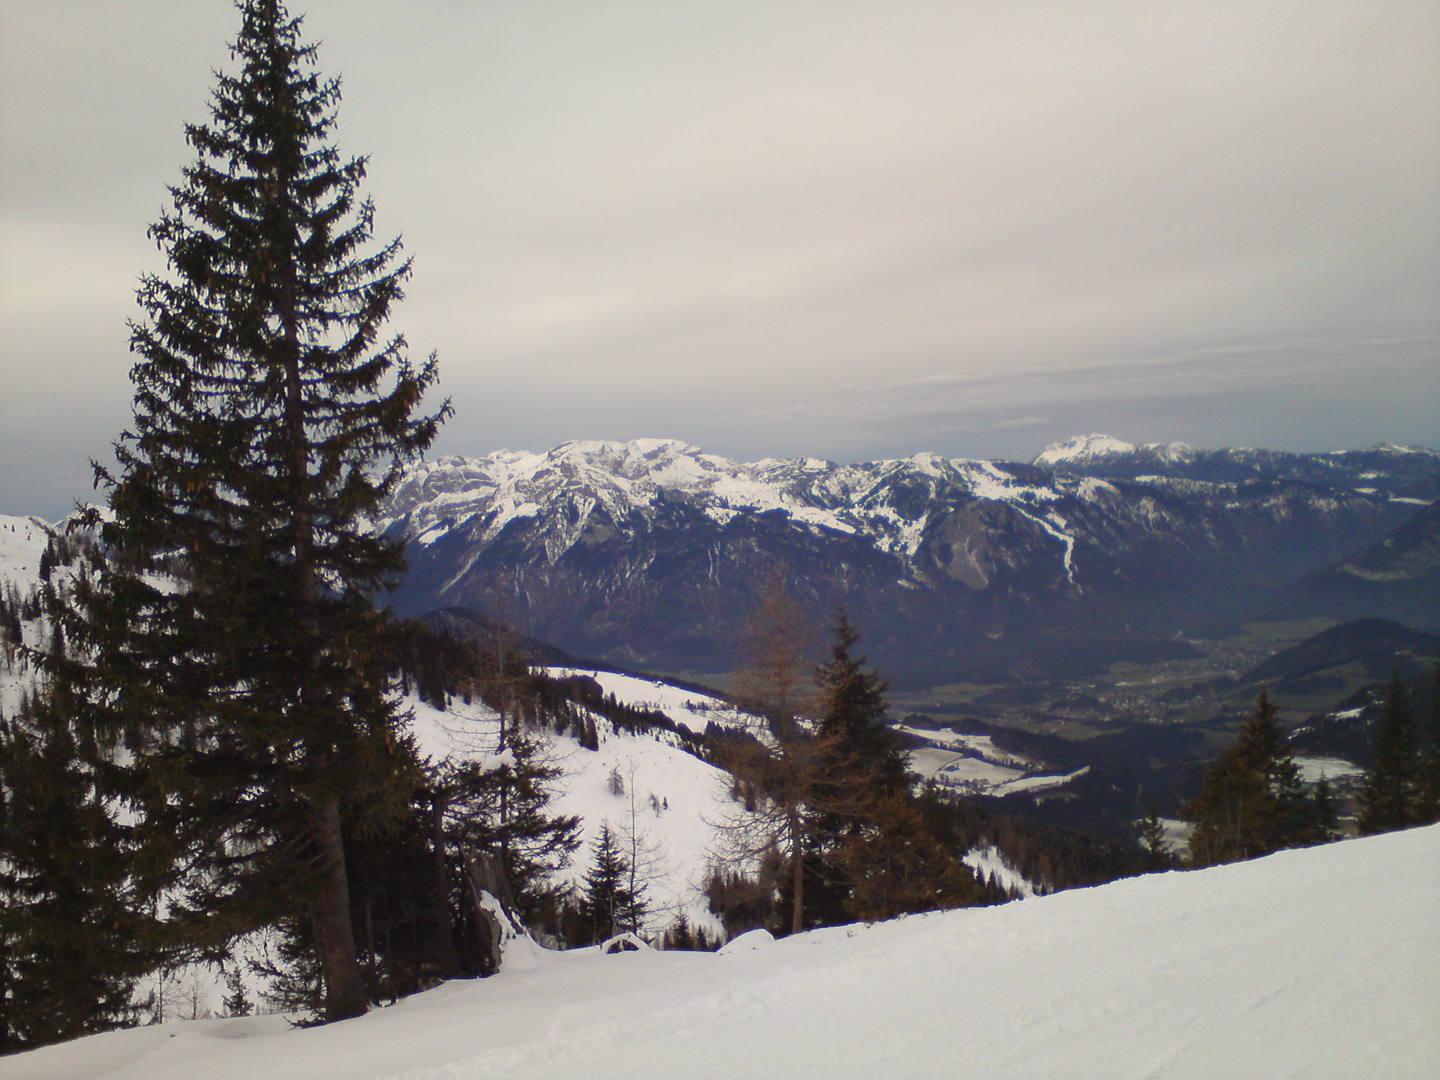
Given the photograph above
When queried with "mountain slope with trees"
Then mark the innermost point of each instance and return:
(1398, 577)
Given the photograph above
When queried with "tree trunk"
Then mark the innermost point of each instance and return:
(330, 919)
(797, 855)
(443, 942)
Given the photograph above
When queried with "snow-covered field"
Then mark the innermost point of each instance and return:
(688, 709)
(984, 745)
(675, 806)
(947, 766)
(973, 764)
(1315, 964)
(1331, 768)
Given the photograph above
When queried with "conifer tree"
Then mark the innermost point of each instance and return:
(1325, 818)
(608, 906)
(863, 836)
(75, 936)
(1252, 802)
(1388, 796)
(236, 1001)
(895, 864)
(270, 418)
(852, 718)
(528, 842)
(1427, 808)
(1151, 833)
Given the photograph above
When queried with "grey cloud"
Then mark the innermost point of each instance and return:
(845, 229)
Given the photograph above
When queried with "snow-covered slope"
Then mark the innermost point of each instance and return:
(671, 809)
(974, 765)
(689, 709)
(1309, 964)
(1082, 448)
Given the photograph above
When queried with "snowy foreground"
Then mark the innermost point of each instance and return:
(1316, 963)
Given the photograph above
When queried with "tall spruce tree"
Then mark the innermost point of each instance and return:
(852, 716)
(270, 418)
(859, 823)
(1150, 831)
(1389, 796)
(526, 842)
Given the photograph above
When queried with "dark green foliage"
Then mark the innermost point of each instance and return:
(860, 747)
(438, 664)
(410, 874)
(897, 865)
(588, 737)
(876, 855)
(397, 920)
(1325, 817)
(1151, 832)
(10, 606)
(1428, 789)
(501, 811)
(270, 420)
(744, 903)
(236, 1001)
(1051, 857)
(1252, 802)
(75, 936)
(682, 936)
(679, 936)
(869, 848)
(608, 906)
(1390, 796)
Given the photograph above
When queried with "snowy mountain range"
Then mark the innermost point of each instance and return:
(651, 552)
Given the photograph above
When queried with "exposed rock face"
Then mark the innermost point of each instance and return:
(652, 552)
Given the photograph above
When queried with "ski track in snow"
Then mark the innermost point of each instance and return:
(1312, 964)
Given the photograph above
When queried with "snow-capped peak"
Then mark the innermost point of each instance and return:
(1083, 448)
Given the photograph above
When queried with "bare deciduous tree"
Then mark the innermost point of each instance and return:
(778, 768)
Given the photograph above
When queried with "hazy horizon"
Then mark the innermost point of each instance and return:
(794, 229)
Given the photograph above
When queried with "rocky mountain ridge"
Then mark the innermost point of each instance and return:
(651, 552)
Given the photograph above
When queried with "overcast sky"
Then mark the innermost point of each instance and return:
(849, 230)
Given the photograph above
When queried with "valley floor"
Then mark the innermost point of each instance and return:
(1314, 963)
